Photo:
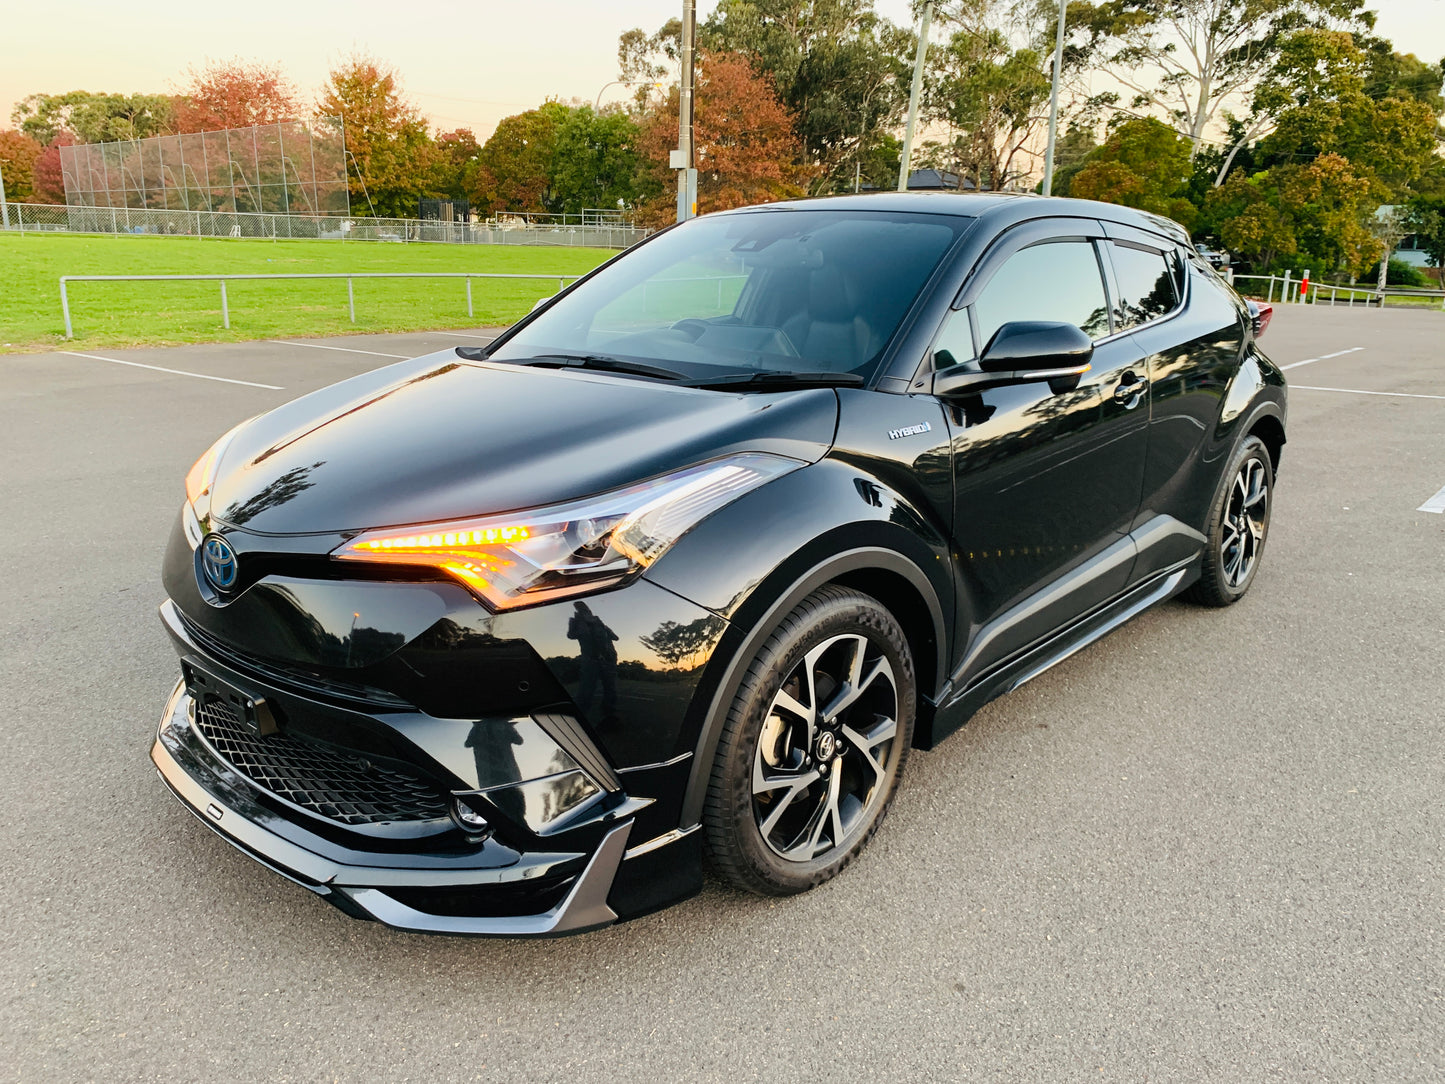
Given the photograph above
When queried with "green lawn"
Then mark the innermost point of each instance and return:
(149, 313)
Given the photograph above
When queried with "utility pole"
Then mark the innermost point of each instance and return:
(684, 159)
(913, 95)
(4, 207)
(1054, 101)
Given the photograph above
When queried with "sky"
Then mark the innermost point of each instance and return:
(466, 65)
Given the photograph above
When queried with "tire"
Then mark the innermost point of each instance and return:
(796, 792)
(1238, 527)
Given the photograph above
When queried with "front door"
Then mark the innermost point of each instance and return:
(1046, 482)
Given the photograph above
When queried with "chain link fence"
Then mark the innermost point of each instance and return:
(557, 230)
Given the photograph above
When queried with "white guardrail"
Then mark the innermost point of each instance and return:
(561, 281)
(1293, 291)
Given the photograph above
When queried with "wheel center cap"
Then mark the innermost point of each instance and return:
(827, 745)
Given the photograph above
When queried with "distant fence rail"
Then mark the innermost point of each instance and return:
(563, 231)
(1291, 290)
(65, 280)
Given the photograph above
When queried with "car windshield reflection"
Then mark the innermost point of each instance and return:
(808, 291)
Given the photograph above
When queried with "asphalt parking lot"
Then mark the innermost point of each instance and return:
(1210, 847)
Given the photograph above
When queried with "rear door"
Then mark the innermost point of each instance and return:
(1189, 329)
(1047, 482)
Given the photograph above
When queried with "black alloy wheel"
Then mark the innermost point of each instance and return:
(1239, 526)
(814, 745)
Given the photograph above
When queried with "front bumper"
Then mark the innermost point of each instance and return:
(571, 892)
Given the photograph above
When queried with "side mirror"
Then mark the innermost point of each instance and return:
(1024, 351)
(1026, 345)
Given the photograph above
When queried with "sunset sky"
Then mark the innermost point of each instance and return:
(465, 64)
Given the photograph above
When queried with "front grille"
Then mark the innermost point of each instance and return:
(327, 782)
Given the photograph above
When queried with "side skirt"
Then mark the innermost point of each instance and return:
(1012, 673)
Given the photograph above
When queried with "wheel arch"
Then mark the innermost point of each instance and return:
(1270, 429)
(894, 580)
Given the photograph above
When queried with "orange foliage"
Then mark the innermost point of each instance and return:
(235, 94)
(747, 150)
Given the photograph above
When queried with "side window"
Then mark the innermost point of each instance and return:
(1148, 284)
(1057, 280)
(955, 342)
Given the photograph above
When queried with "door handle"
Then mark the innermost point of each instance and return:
(1124, 392)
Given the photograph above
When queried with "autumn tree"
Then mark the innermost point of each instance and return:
(390, 153)
(747, 149)
(1143, 164)
(46, 177)
(457, 153)
(18, 153)
(235, 94)
(839, 68)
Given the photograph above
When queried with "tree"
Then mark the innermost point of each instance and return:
(1320, 105)
(46, 178)
(18, 153)
(1426, 220)
(992, 95)
(457, 153)
(1143, 164)
(391, 154)
(1188, 59)
(514, 167)
(594, 161)
(94, 118)
(747, 150)
(838, 67)
(235, 94)
(1298, 214)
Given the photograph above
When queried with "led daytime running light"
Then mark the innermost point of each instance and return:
(573, 548)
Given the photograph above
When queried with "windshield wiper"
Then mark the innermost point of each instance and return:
(779, 378)
(601, 362)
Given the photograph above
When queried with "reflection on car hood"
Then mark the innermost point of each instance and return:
(441, 438)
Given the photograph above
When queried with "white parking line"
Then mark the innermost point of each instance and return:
(1322, 357)
(1435, 504)
(344, 349)
(1357, 391)
(176, 372)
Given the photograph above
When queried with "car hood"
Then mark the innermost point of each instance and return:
(441, 438)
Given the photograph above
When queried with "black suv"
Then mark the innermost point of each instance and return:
(505, 640)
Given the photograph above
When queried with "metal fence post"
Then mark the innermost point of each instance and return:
(469, 297)
(65, 308)
(225, 308)
(350, 299)
(1284, 293)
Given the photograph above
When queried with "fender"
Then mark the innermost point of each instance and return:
(756, 560)
(732, 665)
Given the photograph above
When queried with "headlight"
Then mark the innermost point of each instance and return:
(569, 549)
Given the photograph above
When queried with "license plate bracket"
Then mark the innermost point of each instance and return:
(255, 712)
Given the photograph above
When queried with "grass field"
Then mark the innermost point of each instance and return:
(152, 313)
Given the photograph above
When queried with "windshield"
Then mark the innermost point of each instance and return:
(786, 291)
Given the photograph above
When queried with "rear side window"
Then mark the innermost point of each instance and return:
(1057, 280)
(1148, 284)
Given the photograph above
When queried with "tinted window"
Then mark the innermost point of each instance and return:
(1059, 280)
(787, 289)
(1148, 284)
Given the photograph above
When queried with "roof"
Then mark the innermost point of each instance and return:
(1011, 206)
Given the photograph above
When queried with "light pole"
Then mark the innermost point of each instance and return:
(684, 159)
(1054, 101)
(913, 95)
(4, 207)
